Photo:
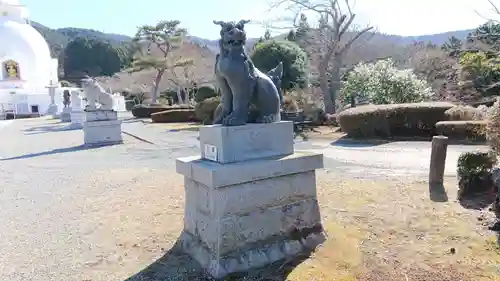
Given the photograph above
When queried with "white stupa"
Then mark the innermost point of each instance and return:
(26, 66)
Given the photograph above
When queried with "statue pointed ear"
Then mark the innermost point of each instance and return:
(219, 22)
(277, 71)
(241, 24)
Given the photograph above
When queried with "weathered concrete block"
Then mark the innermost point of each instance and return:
(227, 234)
(251, 141)
(248, 214)
(77, 119)
(214, 174)
(247, 197)
(100, 115)
(100, 131)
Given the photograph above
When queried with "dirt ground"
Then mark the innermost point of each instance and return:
(376, 231)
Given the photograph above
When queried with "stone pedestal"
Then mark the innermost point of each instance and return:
(77, 119)
(249, 200)
(102, 127)
(52, 110)
(66, 114)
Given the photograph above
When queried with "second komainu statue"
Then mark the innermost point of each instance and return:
(241, 84)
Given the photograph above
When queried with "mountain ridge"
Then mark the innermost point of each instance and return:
(60, 37)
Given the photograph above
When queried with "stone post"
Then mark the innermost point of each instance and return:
(52, 94)
(52, 110)
(438, 160)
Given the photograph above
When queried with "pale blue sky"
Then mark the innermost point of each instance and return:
(402, 17)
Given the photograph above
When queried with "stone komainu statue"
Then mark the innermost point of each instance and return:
(66, 98)
(95, 94)
(241, 84)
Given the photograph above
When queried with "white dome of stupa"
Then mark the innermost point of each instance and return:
(24, 45)
(9, 2)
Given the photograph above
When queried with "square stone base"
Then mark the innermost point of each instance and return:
(66, 114)
(99, 133)
(100, 115)
(231, 144)
(77, 119)
(52, 110)
(249, 214)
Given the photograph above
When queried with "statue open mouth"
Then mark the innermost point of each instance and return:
(235, 42)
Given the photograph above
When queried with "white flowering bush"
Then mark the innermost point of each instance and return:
(383, 83)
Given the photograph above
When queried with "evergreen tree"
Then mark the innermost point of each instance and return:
(164, 37)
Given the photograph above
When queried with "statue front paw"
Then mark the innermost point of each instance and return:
(268, 118)
(233, 120)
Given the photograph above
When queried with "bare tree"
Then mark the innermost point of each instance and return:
(186, 81)
(332, 39)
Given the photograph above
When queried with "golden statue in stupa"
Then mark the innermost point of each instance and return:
(11, 69)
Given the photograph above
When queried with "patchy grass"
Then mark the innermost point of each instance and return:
(377, 230)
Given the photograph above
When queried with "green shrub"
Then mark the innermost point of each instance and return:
(204, 93)
(174, 115)
(205, 110)
(464, 113)
(393, 120)
(473, 170)
(462, 130)
(145, 111)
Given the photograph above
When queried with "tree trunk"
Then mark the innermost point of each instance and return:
(335, 80)
(156, 86)
(179, 95)
(325, 88)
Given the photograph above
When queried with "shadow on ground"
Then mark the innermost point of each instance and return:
(477, 201)
(175, 265)
(135, 120)
(437, 193)
(51, 128)
(51, 152)
(349, 142)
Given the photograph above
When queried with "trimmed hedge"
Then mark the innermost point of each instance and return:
(463, 113)
(393, 120)
(145, 111)
(174, 115)
(462, 130)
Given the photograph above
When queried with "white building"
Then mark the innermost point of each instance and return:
(26, 66)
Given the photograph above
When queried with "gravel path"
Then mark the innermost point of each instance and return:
(396, 159)
(63, 206)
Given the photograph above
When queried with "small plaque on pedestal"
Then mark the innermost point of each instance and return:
(211, 152)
